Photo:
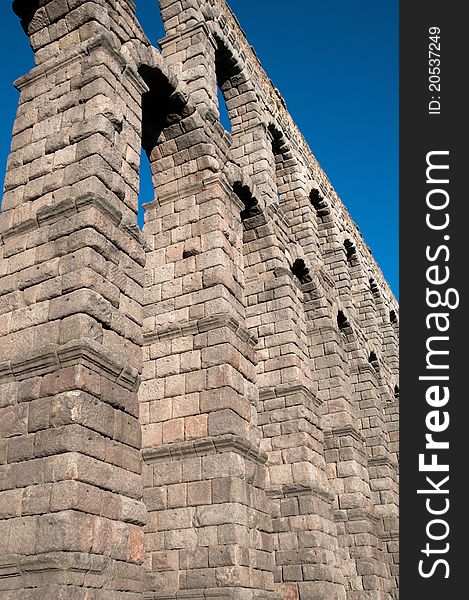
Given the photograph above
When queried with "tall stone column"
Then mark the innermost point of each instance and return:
(391, 535)
(209, 526)
(190, 49)
(374, 389)
(305, 537)
(71, 510)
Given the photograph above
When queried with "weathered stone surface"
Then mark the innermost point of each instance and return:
(207, 408)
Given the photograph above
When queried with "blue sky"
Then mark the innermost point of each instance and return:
(336, 65)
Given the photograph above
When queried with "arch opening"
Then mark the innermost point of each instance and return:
(319, 203)
(351, 253)
(225, 70)
(279, 152)
(223, 110)
(301, 271)
(162, 107)
(147, 189)
(252, 215)
(343, 322)
(373, 360)
(374, 287)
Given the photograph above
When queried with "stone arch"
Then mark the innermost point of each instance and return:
(252, 215)
(301, 271)
(351, 252)
(321, 219)
(284, 164)
(234, 80)
(343, 322)
(373, 360)
(374, 287)
(34, 16)
(373, 313)
(162, 107)
(261, 251)
(319, 203)
(229, 77)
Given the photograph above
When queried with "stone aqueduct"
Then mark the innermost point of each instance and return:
(207, 408)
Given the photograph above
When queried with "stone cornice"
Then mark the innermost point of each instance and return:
(288, 389)
(389, 536)
(51, 214)
(338, 432)
(204, 447)
(364, 368)
(84, 352)
(19, 565)
(102, 41)
(358, 514)
(203, 325)
(188, 31)
(300, 489)
(380, 461)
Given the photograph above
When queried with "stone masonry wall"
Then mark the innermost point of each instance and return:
(207, 408)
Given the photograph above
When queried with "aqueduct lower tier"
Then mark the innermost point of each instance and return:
(207, 408)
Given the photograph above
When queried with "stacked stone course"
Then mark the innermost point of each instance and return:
(207, 408)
